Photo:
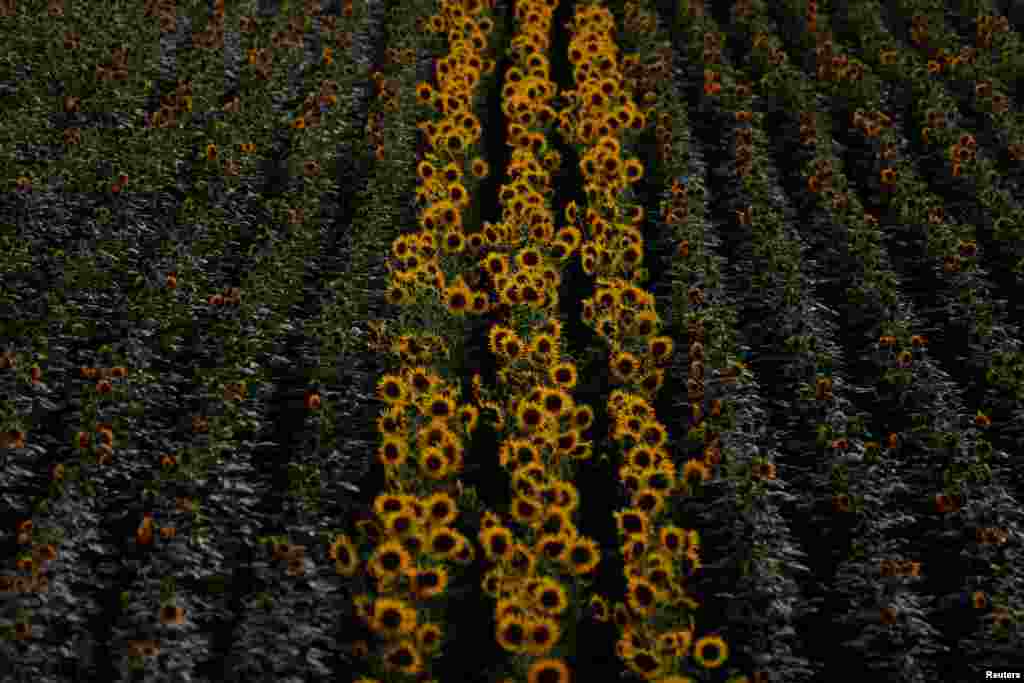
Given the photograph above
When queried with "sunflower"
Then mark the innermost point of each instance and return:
(433, 434)
(567, 497)
(584, 555)
(492, 582)
(497, 543)
(511, 633)
(643, 596)
(428, 582)
(424, 93)
(389, 560)
(554, 547)
(434, 463)
(496, 264)
(624, 365)
(403, 657)
(660, 348)
(438, 406)
(544, 345)
(710, 652)
(389, 503)
(555, 402)
(645, 663)
(530, 257)
(442, 542)
(694, 471)
(549, 596)
(530, 416)
(512, 347)
(454, 241)
(567, 441)
(633, 170)
(428, 637)
(583, 417)
(479, 168)
(650, 501)
(632, 522)
(525, 511)
(548, 671)
(522, 561)
(653, 433)
(598, 608)
(468, 416)
(440, 509)
(392, 618)
(401, 523)
(542, 633)
(392, 389)
(524, 452)
(393, 451)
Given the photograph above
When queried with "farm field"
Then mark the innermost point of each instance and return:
(511, 340)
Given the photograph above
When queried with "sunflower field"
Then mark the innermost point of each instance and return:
(511, 341)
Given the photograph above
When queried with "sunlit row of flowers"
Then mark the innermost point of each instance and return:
(656, 624)
(426, 422)
(540, 561)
